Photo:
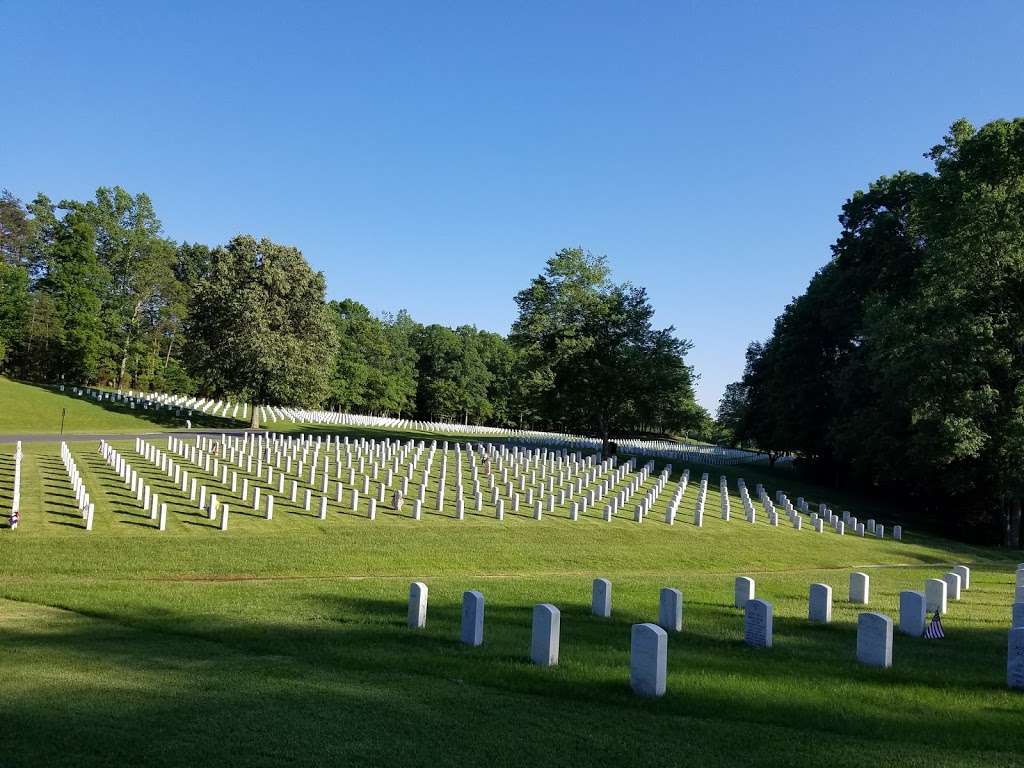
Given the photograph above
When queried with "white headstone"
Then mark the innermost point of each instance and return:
(648, 660)
(1017, 619)
(417, 605)
(547, 622)
(874, 640)
(913, 612)
(743, 591)
(601, 598)
(670, 610)
(819, 604)
(757, 624)
(1015, 659)
(860, 588)
(472, 618)
(965, 576)
(952, 585)
(935, 595)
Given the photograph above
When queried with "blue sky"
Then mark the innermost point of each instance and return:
(432, 156)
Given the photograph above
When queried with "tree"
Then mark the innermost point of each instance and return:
(732, 413)
(15, 300)
(141, 264)
(901, 365)
(74, 283)
(593, 361)
(375, 369)
(259, 327)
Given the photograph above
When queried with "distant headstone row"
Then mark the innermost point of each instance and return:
(161, 401)
(363, 476)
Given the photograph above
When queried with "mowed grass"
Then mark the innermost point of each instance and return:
(284, 641)
(36, 409)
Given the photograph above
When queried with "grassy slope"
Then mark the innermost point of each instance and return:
(30, 408)
(285, 640)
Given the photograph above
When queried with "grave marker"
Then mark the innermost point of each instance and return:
(819, 604)
(670, 610)
(757, 624)
(1015, 659)
(743, 591)
(547, 622)
(874, 640)
(913, 612)
(472, 618)
(860, 588)
(417, 605)
(601, 598)
(648, 660)
(935, 595)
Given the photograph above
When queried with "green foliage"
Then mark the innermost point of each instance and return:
(902, 365)
(375, 364)
(592, 360)
(74, 283)
(15, 300)
(260, 329)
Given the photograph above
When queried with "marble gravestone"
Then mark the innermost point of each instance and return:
(472, 618)
(965, 576)
(417, 605)
(648, 660)
(952, 585)
(860, 588)
(757, 624)
(913, 613)
(874, 640)
(1018, 615)
(670, 610)
(1015, 659)
(819, 604)
(547, 622)
(743, 591)
(935, 595)
(601, 598)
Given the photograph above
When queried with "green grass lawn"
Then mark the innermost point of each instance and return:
(35, 409)
(284, 641)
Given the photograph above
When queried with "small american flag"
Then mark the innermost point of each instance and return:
(934, 629)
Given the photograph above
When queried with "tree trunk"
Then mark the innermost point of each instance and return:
(170, 343)
(128, 343)
(1013, 523)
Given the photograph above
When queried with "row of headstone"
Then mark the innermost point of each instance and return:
(144, 494)
(655, 449)
(85, 505)
(16, 496)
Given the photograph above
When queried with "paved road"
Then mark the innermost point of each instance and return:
(79, 438)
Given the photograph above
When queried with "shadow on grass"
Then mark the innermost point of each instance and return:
(350, 684)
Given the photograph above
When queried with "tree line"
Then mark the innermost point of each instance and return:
(901, 367)
(94, 292)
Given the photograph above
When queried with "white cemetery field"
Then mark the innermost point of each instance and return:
(335, 591)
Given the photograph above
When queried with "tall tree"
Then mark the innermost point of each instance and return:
(74, 283)
(592, 357)
(259, 327)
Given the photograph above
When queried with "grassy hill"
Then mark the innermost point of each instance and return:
(284, 641)
(35, 409)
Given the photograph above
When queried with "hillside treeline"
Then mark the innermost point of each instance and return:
(94, 292)
(901, 367)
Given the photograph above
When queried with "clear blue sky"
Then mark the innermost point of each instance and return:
(431, 156)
